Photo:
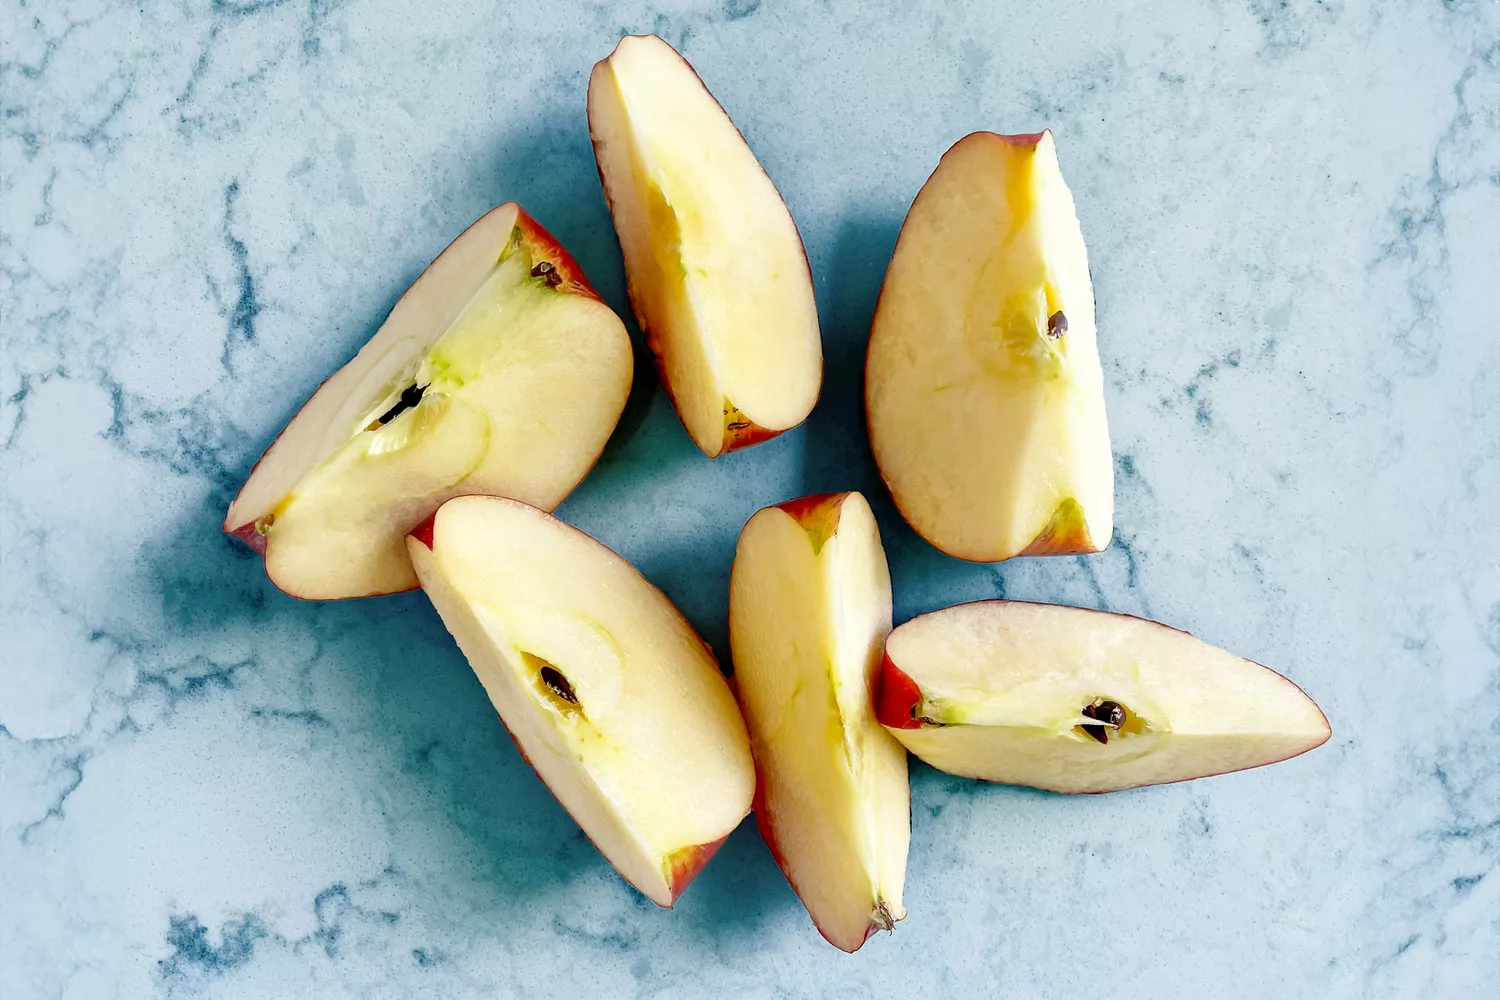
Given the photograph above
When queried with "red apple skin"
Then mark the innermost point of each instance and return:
(684, 864)
(805, 509)
(741, 433)
(1045, 544)
(903, 686)
(817, 515)
(896, 697)
(1052, 542)
(541, 245)
(252, 538)
(423, 531)
(1023, 139)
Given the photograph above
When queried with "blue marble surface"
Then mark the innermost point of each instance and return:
(210, 789)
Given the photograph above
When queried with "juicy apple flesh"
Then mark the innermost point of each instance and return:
(715, 266)
(609, 693)
(1073, 700)
(809, 610)
(984, 394)
(498, 372)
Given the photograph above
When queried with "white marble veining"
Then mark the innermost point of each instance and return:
(210, 789)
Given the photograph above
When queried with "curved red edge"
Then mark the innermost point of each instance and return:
(897, 697)
(423, 531)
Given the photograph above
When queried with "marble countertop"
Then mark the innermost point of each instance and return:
(209, 788)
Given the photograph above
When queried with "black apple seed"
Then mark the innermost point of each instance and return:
(1057, 325)
(410, 397)
(553, 678)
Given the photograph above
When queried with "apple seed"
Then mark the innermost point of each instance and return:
(548, 273)
(1057, 325)
(410, 397)
(553, 678)
(1109, 713)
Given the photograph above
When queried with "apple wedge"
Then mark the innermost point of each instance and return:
(715, 267)
(607, 690)
(983, 392)
(498, 371)
(1073, 700)
(809, 610)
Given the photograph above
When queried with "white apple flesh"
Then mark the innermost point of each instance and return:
(607, 690)
(499, 371)
(809, 610)
(983, 391)
(715, 267)
(1078, 701)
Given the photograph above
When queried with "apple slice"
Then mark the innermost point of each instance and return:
(498, 371)
(1073, 700)
(608, 692)
(983, 391)
(809, 610)
(715, 267)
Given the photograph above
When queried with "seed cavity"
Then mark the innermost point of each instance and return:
(548, 273)
(1057, 325)
(410, 397)
(1111, 715)
(924, 719)
(551, 685)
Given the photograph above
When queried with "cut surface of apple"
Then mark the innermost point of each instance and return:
(1073, 700)
(498, 371)
(607, 690)
(809, 610)
(983, 391)
(716, 270)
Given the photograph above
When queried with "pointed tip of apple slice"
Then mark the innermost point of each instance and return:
(1067, 534)
(818, 515)
(684, 864)
(803, 508)
(882, 918)
(897, 697)
(545, 248)
(248, 534)
(1023, 138)
(423, 531)
(742, 432)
